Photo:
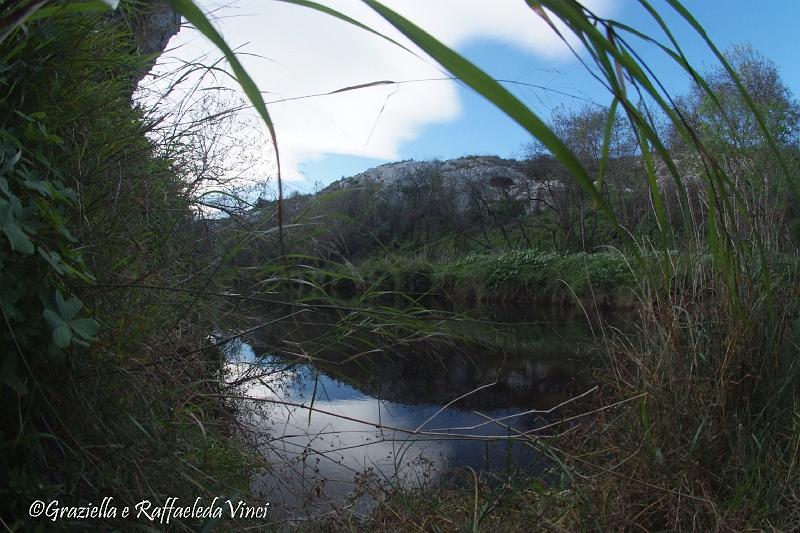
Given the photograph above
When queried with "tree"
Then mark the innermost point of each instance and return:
(729, 122)
(731, 134)
(583, 130)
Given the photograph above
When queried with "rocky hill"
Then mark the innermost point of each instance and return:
(464, 169)
(464, 178)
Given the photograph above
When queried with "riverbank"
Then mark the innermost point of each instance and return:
(693, 426)
(603, 279)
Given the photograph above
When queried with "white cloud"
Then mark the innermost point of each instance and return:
(305, 52)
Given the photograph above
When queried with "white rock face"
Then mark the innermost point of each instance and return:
(477, 168)
(488, 176)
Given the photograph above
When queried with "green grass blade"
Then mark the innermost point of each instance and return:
(91, 6)
(490, 89)
(678, 6)
(341, 16)
(606, 151)
(195, 16)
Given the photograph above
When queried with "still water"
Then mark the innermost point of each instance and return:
(334, 424)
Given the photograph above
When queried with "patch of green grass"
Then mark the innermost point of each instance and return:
(521, 275)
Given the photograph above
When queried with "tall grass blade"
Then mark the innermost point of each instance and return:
(607, 136)
(196, 17)
(490, 89)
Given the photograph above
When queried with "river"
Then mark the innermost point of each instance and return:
(342, 415)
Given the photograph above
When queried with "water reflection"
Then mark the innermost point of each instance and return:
(331, 430)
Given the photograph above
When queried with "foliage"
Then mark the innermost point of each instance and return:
(39, 253)
(523, 275)
(106, 386)
(726, 122)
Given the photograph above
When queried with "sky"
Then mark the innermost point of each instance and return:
(292, 51)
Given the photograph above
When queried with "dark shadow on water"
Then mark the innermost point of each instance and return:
(333, 427)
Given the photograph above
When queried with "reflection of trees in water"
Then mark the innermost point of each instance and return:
(340, 431)
(517, 382)
(314, 461)
(337, 456)
(532, 364)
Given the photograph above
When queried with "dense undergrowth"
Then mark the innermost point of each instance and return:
(104, 385)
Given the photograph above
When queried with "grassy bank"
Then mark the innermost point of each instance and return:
(604, 278)
(694, 427)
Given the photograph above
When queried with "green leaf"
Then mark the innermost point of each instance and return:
(53, 258)
(62, 336)
(17, 238)
(53, 319)
(65, 193)
(67, 308)
(63, 230)
(55, 139)
(40, 186)
(609, 132)
(645, 415)
(332, 12)
(538, 487)
(85, 327)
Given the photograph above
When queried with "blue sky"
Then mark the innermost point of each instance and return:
(297, 52)
(770, 27)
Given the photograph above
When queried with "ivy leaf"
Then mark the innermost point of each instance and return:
(53, 258)
(53, 319)
(67, 308)
(66, 328)
(40, 186)
(62, 336)
(85, 327)
(17, 238)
